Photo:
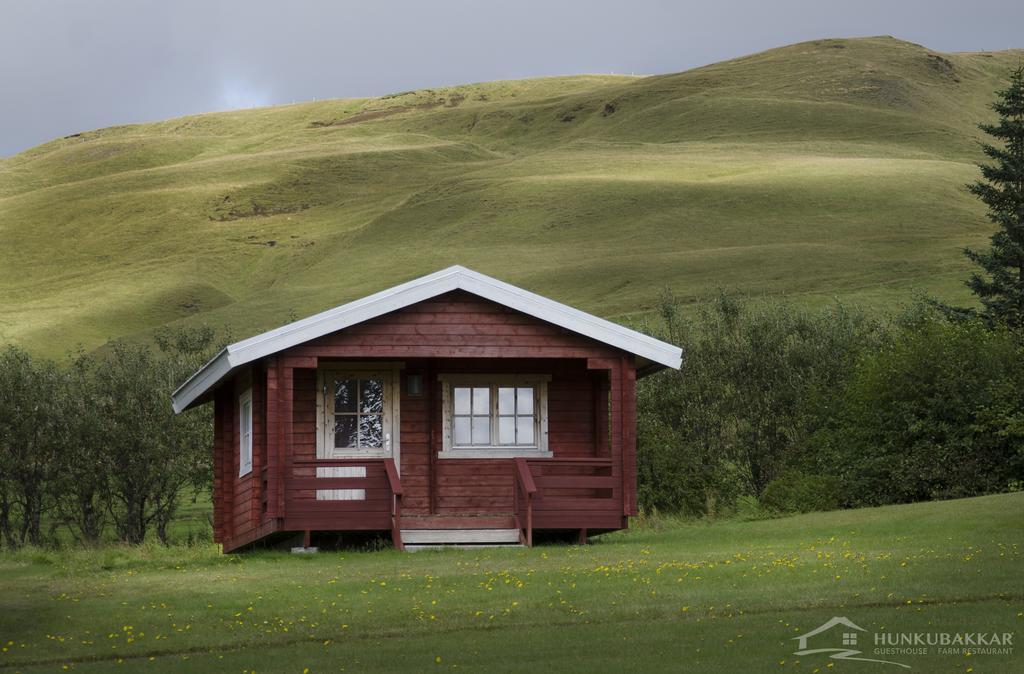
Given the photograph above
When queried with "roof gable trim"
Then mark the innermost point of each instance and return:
(413, 292)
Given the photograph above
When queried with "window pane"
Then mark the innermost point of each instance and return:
(481, 401)
(462, 434)
(524, 431)
(481, 430)
(461, 400)
(371, 431)
(345, 434)
(246, 435)
(345, 395)
(506, 400)
(506, 430)
(524, 400)
(371, 395)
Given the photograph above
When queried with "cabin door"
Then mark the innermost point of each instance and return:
(360, 414)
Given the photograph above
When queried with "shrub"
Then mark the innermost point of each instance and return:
(795, 491)
(937, 412)
(31, 430)
(749, 508)
(97, 441)
(757, 380)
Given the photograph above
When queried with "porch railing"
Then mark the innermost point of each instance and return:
(396, 503)
(371, 498)
(552, 493)
(525, 490)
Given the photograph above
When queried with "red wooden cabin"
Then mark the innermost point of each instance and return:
(454, 408)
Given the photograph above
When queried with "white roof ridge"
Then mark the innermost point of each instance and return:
(343, 308)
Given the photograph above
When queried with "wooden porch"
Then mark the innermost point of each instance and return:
(582, 495)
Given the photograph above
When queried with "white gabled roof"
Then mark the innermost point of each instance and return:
(651, 351)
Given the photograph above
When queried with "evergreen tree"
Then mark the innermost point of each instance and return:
(1000, 284)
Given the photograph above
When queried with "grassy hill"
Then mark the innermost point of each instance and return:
(822, 169)
(723, 597)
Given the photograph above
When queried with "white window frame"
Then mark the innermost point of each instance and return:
(244, 434)
(539, 382)
(391, 373)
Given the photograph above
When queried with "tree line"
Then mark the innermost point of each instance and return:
(806, 410)
(92, 447)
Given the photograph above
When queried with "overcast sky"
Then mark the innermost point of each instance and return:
(75, 65)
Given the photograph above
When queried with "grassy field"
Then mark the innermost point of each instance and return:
(823, 169)
(723, 597)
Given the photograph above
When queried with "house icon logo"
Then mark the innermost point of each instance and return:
(845, 641)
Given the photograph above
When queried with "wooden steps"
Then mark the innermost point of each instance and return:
(425, 539)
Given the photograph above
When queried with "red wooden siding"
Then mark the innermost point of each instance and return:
(454, 325)
(465, 485)
(219, 528)
(237, 499)
(589, 482)
(415, 460)
(303, 431)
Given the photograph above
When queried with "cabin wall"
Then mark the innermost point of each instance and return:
(453, 333)
(466, 485)
(459, 332)
(237, 504)
(414, 434)
(219, 530)
(463, 486)
(303, 435)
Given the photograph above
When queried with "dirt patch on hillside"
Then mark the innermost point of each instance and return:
(356, 118)
(942, 66)
(230, 208)
(452, 100)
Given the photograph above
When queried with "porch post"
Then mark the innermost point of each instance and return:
(601, 390)
(628, 429)
(286, 383)
(433, 400)
(618, 460)
(271, 416)
(616, 416)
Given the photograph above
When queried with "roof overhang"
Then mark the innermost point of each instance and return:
(652, 354)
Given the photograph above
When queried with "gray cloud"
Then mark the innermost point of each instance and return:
(71, 66)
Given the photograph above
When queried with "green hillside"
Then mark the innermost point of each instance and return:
(828, 168)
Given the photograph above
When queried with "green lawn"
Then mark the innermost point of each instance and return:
(833, 168)
(669, 596)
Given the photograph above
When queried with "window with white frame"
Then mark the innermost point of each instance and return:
(358, 412)
(245, 433)
(494, 416)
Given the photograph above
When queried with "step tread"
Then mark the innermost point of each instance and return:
(460, 546)
(456, 536)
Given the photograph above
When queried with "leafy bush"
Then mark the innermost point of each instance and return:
(795, 491)
(809, 410)
(749, 508)
(756, 382)
(96, 442)
(31, 435)
(937, 412)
